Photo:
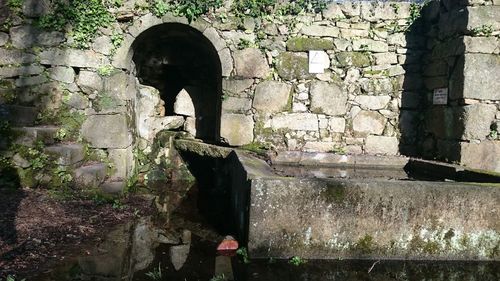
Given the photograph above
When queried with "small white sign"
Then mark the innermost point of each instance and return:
(440, 96)
(318, 61)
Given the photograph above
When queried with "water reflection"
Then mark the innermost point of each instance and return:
(136, 251)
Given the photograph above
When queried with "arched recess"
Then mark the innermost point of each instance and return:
(174, 56)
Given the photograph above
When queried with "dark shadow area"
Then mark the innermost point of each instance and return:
(432, 128)
(212, 191)
(172, 57)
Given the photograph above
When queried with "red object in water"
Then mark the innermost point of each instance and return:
(228, 246)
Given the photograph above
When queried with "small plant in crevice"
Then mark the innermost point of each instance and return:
(105, 70)
(297, 261)
(244, 43)
(220, 277)
(484, 30)
(156, 273)
(243, 254)
(15, 5)
(13, 278)
(116, 40)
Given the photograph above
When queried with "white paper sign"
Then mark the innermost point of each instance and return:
(318, 61)
(440, 96)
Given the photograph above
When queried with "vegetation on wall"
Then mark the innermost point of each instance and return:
(191, 9)
(262, 8)
(82, 18)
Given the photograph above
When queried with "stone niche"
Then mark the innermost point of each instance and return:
(184, 67)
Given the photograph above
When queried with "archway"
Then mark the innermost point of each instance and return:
(172, 57)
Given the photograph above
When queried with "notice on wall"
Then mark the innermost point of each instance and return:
(318, 61)
(440, 96)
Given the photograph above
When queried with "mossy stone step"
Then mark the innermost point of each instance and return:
(90, 176)
(67, 154)
(28, 136)
(113, 187)
(18, 115)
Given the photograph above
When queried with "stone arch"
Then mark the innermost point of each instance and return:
(174, 57)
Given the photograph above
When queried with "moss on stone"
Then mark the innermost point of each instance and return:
(307, 44)
(357, 59)
(365, 245)
(293, 66)
(334, 193)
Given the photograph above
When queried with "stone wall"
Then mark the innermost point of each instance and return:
(463, 57)
(370, 97)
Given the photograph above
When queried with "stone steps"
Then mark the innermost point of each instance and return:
(28, 136)
(85, 175)
(18, 115)
(90, 176)
(67, 154)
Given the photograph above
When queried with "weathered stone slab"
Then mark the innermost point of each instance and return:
(294, 121)
(214, 37)
(35, 8)
(90, 82)
(301, 44)
(31, 80)
(369, 122)
(250, 63)
(143, 23)
(15, 57)
(107, 131)
(12, 71)
(237, 105)
(90, 176)
(357, 59)
(67, 154)
(370, 45)
(382, 145)
(372, 102)
(62, 74)
(284, 223)
(237, 129)
(236, 86)
(149, 127)
(328, 98)
(226, 61)
(184, 104)
(123, 162)
(72, 57)
(271, 96)
(4, 38)
(482, 155)
(320, 31)
(26, 36)
(475, 77)
(476, 120)
(293, 66)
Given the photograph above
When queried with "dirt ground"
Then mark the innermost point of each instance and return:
(38, 229)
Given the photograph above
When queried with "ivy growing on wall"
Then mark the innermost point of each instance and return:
(262, 8)
(191, 9)
(84, 18)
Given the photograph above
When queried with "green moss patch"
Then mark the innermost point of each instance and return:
(357, 59)
(307, 44)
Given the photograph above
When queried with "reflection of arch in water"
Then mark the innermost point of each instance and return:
(172, 57)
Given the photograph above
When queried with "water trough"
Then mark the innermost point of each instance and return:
(327, 206)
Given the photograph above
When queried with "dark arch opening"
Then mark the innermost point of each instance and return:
(174, 56)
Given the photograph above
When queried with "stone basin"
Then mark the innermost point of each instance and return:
(378, 208)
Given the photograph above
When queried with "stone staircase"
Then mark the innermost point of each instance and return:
(69, 155)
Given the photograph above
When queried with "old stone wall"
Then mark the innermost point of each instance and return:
(370, 97)
(463, 58)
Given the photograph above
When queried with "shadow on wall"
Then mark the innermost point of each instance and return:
(176, 58)
(431, 128)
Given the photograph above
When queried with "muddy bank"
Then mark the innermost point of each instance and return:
(40, 228)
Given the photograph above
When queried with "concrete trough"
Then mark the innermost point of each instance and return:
(364, 217)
